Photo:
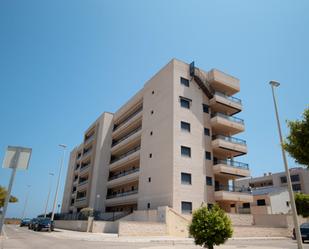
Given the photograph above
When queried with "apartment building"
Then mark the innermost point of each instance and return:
(299, 178)
(172, 144)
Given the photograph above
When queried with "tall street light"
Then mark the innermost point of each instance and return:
(26, 202)
(63, 146)
(291, 194)
(49, 190)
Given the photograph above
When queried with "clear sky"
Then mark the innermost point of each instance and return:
(62, 63)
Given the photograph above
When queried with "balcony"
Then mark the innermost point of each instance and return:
(230, 169)
(223, 82)
(234, 194)
(127, 157)
(226, 125)
(132, 117)
(130, 137)
(225, 104)
(87, 152)
(224, 146)
(89, 139)
(84, 168)
(123, 178)
(128, 197)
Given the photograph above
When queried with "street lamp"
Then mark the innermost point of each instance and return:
(63, 146)
(291, 194)
(26, 201)
(49, 190)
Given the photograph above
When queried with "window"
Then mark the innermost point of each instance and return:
(186, 207)
(208, 181)
(296, 187)
(205, 108)
(186, 178)
(184, 82)
(232, 205)
(261, 202)
(283, 179)
(185, 151)
(149, 179)
(152, 92)
(185, 126)
(206, 132)
(185, 103)
(207, 155)
(150, 155)
(151, 133)
(246, 205)
(287, 204)
(151, 112)
(295, 178)
(148, 205)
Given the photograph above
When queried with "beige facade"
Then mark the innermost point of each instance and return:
(169, 145)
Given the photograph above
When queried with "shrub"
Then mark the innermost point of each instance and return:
(210, 227)
(302, 204)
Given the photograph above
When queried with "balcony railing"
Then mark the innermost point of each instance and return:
(87, 152)
(125, 154)
(236, 100)
(230, 188)
(128, 118)
(89, 139)
(79, 199)
(234, 164)
(123, 174)
(84, 167)
(83, 183)
(231, 118)
(131, 192)
(229, 139)
(126, 136)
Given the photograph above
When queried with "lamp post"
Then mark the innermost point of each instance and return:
(49, 190)
(26, 201)
(63, 146)
(290, 189)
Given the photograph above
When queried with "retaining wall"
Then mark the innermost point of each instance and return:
(75, 225)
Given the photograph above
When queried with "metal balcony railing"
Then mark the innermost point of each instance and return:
(83, 182)
(126, 136)
(230, 188)
(230, 139)
(86, 166)
(79, 199)
(131, 192)
(231, 118)
(234, 164)
(128, 118)
(131, 171)
(234, 99)
(125, 154)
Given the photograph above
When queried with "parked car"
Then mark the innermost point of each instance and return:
(304, 230)
(32, 223)
(44, 224)
(25, 222)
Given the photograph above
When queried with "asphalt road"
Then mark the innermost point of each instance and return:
(22, 238)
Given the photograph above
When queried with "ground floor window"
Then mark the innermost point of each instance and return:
(186, 207)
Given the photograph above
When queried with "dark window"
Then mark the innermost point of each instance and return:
(232, 205)
(207, 155)
(287, 204)
(283, 179)
(295, 178)
(185, 126)
(185, 151)
(296, 187)
(151, 133)
(246, 205)
(150, 155)
(72, 201)
(186, 178)
(149, 179)
(186, 207)
(210, 205)
(184, 82)
(206, 132)
(148, 205)
(185, 103)
(205, 108)
(152, 92)
(151, 112)
(208, 181)
(261, 202)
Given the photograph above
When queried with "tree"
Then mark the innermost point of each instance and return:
(302, 204)
(3, 193)
(210, 227)
(297, 142)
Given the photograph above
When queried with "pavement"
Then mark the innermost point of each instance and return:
(16, 237)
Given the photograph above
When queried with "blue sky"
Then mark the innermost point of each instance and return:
(62, 63)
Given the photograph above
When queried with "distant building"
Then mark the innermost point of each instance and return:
(270, 200)
(299, 178)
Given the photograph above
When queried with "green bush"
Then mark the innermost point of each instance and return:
(88, 212)
(210, 227)
(302, 204)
